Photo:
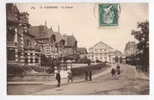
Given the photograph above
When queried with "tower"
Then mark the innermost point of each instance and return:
(58, 29)
(45, 23)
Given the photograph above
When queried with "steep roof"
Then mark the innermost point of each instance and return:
(101, 44)
(70, 40)
(42, 32)
(82, 50)
(58, 36)
(37, 31)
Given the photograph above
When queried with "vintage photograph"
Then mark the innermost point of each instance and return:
(77, 48)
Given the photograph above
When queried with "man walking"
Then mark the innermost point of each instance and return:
(58, 78)
(86, 75)
(70, 76)
(113, 73)
(118, 71)
(90, 75)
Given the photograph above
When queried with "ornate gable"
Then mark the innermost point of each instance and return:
(102, 45)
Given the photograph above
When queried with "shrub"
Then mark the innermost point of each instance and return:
(50, 70)
(15, 69)
(81, 70)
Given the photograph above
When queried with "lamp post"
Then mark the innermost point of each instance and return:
(69, 63)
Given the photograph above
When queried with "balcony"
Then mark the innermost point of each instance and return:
(29, 47)
(12, 18)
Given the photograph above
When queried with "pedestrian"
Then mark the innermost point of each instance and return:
(70, 76)
(89, 62)
(58, 78)
(113, 73)
(118, 71)
(86, 75)
(90, 75)
(118, 66)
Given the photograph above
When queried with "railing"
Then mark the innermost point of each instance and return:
(11, 44)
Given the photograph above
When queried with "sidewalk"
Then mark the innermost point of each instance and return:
(139, 75)
(54, 82)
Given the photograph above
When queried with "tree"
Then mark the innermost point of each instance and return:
(142, 35)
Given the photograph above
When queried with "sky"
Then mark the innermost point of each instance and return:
(82, 21)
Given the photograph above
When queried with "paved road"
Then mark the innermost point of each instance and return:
(130, 83)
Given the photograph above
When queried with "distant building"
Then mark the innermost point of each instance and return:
(118, 57)
(130, 49)
(82, 52)
(103, 52)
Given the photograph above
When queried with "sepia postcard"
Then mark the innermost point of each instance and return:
(77, 48)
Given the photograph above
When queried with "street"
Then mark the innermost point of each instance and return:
(130, 83)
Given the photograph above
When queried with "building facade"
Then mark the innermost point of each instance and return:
(21, 46)
(48, 40)
(102, 52)
(70, 45)
(53, 44)
(82, 52)
(26, 44)
(130, 49)
(31, 50)
(13, 35)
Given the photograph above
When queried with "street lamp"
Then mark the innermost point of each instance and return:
(69, 63)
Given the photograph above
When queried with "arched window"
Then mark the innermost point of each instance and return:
(53, 38)
(76, 43)
(62, 42)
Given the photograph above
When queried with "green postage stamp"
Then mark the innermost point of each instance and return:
(109, 14)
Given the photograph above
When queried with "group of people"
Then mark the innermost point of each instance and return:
(69, 77)
(88, 76)
(115, 72)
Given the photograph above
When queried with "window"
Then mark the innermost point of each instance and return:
(100, 50)
(10, 35)
(28, 42)
(10, 54)
(31, 60)
(36, 60)
(26, 60)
